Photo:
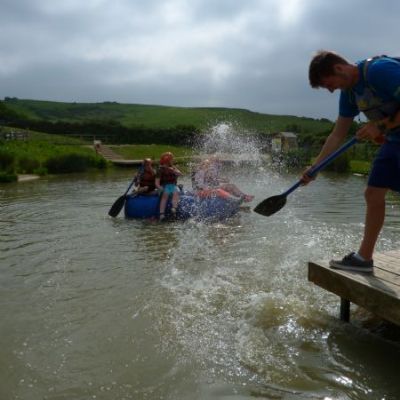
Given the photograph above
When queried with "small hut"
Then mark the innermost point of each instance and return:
(283, 142)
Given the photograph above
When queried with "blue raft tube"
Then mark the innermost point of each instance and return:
(189, 206)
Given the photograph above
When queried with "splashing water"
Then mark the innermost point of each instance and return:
(229, 142)
(110, 308)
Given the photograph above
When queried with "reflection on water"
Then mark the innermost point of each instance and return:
(93, 307)
(342, 197)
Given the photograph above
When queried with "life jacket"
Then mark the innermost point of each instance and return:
(167, 175)
(369, 102)
(147, 178)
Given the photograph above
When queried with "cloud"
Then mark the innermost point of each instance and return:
(251, 54)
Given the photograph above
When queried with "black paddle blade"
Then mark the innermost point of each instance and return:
(117, 206)
(271, 205)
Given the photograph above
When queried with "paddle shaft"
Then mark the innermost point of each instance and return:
(119, 203)
(323, 164)
(129, 187)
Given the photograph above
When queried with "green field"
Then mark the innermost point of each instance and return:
(154, 116)
(153, 151)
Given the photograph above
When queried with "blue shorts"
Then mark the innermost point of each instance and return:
(385, 171)
(170, 188)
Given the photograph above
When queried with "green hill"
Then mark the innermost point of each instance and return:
(153, 116)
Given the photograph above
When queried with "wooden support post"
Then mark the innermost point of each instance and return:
(344, 309)
(378, 292)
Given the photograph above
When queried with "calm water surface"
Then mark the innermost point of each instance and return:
(96, 308)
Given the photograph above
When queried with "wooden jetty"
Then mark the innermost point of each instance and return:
(126, 163)
(379, 292)
(27, 177)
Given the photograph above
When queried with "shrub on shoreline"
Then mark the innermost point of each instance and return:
(7, 161)
(7, 178)
(73, 162)
(40, 157)
(67, 163)
(27, 165)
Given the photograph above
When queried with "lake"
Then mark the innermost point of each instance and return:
(101, 308)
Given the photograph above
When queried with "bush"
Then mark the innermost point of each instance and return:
(40, 171)
(27, 165)
(99, 162)
(296, 158)
(8, 177)
(341, 164)
(7, 161)
(67, 163)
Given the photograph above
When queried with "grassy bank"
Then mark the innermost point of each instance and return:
(41, 154)
(360, 167)
(153, 151)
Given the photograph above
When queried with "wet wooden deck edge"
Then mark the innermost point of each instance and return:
(378, 292)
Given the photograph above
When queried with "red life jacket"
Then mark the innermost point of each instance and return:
(147, 178)
(167, 175)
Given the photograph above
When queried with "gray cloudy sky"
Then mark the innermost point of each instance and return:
(250, 54)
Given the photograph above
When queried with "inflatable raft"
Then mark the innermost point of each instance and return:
(189, 206)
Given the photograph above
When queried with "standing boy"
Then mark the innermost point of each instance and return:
(371, 86)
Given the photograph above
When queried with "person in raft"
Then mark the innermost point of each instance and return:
(145, 179)
(371, 86)
(166, 182)
(198, 175)
(201, 186)
(213, 180)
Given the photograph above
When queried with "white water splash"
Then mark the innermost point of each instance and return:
(230, 142)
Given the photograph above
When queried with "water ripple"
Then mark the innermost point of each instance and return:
(209, 309)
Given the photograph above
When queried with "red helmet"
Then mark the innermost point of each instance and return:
(166, 158)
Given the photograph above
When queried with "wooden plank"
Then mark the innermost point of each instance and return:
(389, 261)
(378, 281)
(395, 253)
(386, 276)
(378, 292)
